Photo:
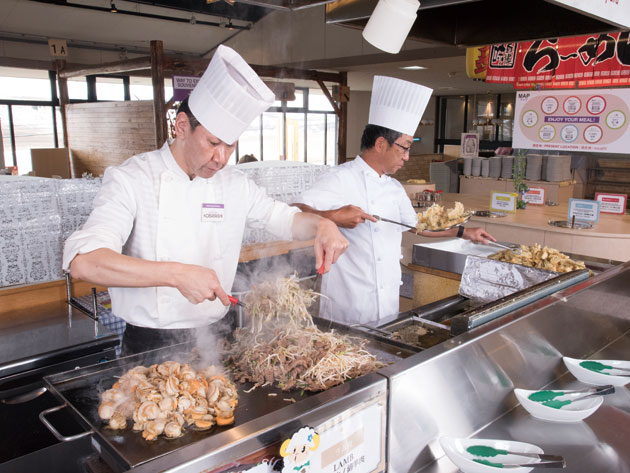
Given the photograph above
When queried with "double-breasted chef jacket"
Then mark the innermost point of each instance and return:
(149, 208)
(364, 285)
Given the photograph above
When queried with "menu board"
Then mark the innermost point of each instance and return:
(595, 120)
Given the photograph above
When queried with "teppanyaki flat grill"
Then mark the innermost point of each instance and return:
(79, 390)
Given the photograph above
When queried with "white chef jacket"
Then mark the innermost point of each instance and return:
(364, 285)
(149, 208)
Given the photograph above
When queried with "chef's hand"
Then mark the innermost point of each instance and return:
(198, 283)
(477, 235)
(349, 216)
(329, 244)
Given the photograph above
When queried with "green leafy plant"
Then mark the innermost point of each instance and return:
(518, 174)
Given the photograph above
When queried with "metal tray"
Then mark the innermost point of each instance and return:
(568, 224)
(404, 332)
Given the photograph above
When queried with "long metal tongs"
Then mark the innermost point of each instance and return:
(515, 250)
(394, 222)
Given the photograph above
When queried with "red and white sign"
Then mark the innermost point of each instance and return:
(535, 196)
(595, 121)
(598, 60)
(612, 203)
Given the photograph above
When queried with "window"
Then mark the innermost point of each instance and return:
(294, 133)
(24, 88)
(490, 115)
(273, 136)
(77, 89)
(304, 129)
(250, 141)
(455, 113)
(331, 138)
(110, 89)
(6, 136)
(316, 132)
(33, 128)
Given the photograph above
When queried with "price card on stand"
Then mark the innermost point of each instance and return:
(503, 201)
(535, 196)
(612, 203)
(584, 210)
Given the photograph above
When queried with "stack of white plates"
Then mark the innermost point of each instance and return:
(507, 162)
(476, 166)
(558, 168)
(485, 167)
(534, 167)
(467, 166)
(495, 167)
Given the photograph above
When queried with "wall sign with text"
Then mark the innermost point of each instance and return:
(612, 203)
(183, 86)
(503, 201)
(596, 120)
(584, 210)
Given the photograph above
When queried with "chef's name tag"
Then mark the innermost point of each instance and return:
(212, 212)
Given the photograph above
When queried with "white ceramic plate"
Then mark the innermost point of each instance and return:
(579, 369)
(456, 451)
(573, 412)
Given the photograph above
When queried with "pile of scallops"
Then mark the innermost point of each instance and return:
(168, 398)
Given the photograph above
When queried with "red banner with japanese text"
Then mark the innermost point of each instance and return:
(601, 60)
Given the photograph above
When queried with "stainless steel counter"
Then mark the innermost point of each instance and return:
(463, 387)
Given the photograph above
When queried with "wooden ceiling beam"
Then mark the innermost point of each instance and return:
(118, 67)
(198, 66)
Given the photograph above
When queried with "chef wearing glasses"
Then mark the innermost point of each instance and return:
(365, 284)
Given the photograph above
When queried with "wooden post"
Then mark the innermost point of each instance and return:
(343, 124)
(64, 100)
(157, 78)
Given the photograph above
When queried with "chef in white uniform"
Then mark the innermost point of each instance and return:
(166, 228)
(365, 284)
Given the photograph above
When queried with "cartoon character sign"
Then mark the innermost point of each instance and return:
(297, 451)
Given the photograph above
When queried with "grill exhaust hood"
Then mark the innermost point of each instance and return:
(478, 22)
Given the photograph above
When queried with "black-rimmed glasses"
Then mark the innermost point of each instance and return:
(404, 148)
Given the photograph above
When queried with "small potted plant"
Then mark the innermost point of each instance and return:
(518, 174)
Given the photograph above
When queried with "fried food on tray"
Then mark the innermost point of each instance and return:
(437, 217)
(416, 181)
(168, 398)
(541, 258)
(285, 348)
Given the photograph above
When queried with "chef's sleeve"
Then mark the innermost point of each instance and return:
(110, 222)
(273, 216)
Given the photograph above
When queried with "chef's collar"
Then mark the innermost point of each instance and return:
(369, 170)
(173, 167)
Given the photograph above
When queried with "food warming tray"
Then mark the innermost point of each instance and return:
(79, 391)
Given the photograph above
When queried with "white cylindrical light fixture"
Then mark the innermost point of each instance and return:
(390, 24)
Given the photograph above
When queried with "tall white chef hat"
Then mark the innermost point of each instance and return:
(397, 104)
(229, 96)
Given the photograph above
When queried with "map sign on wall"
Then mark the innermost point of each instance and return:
(593, 120)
